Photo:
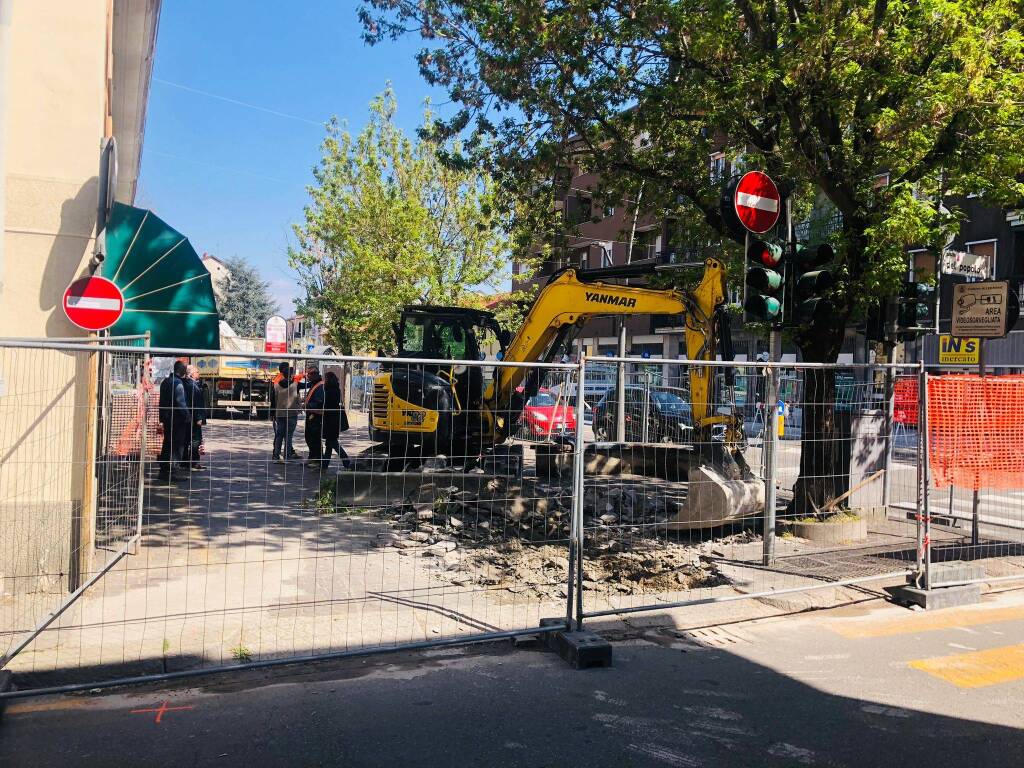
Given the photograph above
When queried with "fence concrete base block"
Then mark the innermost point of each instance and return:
(952, 573)
(583, 649)
(936, 599)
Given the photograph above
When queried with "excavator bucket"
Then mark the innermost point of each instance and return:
(720, 490)
(713, 500)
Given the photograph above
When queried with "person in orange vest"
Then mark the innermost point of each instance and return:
(314, 406)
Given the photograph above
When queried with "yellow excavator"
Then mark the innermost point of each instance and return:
(444, 408)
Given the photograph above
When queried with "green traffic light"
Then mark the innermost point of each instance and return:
(761, 279)
(761, 307)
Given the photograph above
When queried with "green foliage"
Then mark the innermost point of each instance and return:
(245, 302)
(825, 94)
(241, 654)
(394, 221)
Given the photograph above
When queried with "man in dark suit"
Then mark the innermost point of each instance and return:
(176, 421)
(195, 396)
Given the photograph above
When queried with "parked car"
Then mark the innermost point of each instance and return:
(668, 416)
(545, 415)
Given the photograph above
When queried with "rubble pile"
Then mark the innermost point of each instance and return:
(477, 537)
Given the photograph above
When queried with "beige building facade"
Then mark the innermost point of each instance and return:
(72, 72)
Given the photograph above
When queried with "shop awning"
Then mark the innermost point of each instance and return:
(167, 290)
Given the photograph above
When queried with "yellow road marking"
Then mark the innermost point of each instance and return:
(925, 622)
(976, 669)
(45, 706)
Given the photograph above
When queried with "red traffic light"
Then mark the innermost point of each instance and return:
(764, 253)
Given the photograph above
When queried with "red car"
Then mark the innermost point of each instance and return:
(546, 415)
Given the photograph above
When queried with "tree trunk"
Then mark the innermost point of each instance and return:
(820, 450)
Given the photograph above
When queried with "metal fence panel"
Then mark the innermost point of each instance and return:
(248, 559)
(655, 534)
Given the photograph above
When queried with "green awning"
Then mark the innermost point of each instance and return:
(167, 290)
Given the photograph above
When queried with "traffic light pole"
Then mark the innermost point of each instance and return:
(770, 445)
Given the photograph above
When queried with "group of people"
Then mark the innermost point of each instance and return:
(183, 413)
(325, 416)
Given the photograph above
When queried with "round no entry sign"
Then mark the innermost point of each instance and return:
(757, 202)
(93, 303)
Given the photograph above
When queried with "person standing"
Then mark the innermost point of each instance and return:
(286, 413)
(314, 406)
(335, 420)
(175, 419)
(195, 395)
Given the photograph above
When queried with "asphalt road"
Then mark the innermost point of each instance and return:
(870, 684)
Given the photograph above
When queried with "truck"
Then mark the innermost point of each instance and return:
(238, 385)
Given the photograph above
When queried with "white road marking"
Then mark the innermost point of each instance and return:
(961, 647)
(665, 755)
(606, 699)
(827, 657)
(878, 709)
(792, 752)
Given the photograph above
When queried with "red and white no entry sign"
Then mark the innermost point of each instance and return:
(93, 303)
(757, 202)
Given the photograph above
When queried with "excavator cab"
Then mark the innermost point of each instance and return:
(434, 407)
(445, 333)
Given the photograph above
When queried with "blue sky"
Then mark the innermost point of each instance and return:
(233, 177)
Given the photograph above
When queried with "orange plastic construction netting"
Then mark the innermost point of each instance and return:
(976, 431)
(905, 401)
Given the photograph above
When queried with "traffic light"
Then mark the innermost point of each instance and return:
(880, 323)
(918, 309)
(810, 283)
(764, 285)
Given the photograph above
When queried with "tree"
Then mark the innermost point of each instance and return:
(390, 224)
(245, 301)
(826, 94)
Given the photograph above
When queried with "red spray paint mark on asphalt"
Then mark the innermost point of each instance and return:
(159, 711)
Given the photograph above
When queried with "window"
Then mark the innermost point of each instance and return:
(541, 400)
(922, 265)
(584, 209)
(719, 167)
(881, 180)
(412, 334)
(609, 211)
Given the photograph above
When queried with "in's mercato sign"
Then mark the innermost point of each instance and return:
(976, 265)
(954, 351)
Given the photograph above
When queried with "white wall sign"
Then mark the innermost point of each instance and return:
(977, 265)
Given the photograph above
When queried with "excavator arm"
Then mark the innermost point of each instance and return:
(571, 299)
